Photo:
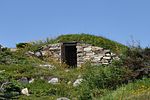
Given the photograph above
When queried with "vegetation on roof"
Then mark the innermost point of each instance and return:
(94, 40)
(100, 41)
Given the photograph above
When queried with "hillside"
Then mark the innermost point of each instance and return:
(94, 40)
(86, 38)
(26, 77)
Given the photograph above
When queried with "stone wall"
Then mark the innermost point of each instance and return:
(85, 52)
(52, 50)
(96, 55)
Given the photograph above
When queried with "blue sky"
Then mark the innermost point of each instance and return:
(29, 20)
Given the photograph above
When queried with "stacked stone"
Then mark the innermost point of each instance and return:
(52, 50)
(96, 55)
(85, 52)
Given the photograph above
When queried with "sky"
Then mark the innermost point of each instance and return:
(31, 20)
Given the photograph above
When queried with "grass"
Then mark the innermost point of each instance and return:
(83, 38)
(139, 90)
(100, 82)
(94, 40)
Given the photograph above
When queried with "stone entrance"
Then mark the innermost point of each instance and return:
(77, 53)
(69, 53)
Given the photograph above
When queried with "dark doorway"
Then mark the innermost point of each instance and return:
(69, 53)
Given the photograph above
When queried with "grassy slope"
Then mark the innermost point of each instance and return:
(28, 67)
(86, 38)
(94, 40)
(138, 90)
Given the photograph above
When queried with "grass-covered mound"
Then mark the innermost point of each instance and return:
(85, 38)
(101, 82)
(94, 40)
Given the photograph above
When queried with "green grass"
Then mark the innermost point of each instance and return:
(100, 82)
(95, 86)
(83, 38)
(94, 40)
(139, 90)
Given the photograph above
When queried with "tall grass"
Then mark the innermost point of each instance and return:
(139, 90)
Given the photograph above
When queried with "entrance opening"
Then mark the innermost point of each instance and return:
(69, 53)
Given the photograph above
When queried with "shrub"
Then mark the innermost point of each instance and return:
(23, 45)
(105, 77)
(136, 57)
(138, 90)
(11, 89)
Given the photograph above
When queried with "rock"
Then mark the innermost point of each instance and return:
(25, 92)
(113, 55)
(44, 53)
(31, 80)
(77, 82)
(62, 98)
(107, 51)
(116, 58)
(79, 49)
(80, 54)
(87, 49)
(29, 53)
(54, 48)
(108, 54)
(24, 80)
(47, 65)
(105, 63)
(86, 58)
(79, 59)
(107, 58)
(69, 83)
(53, 81)
(98, 58)
(38, 54)
(94, 48)
(89, 53)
